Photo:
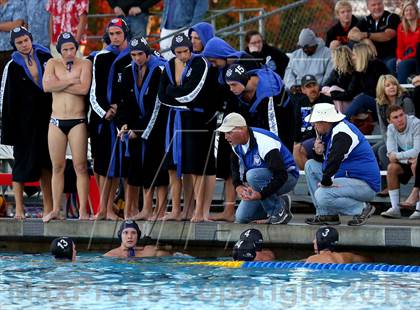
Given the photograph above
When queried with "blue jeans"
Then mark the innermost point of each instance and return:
(391, 64)
(137, 25)
(406, 68)
(362, 103)
(348, 198)
(252, 210)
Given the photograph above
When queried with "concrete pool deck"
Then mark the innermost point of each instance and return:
(378, 232)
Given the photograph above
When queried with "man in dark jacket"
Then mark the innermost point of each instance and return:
(135, 13)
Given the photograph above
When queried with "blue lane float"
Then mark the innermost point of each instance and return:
(330, 266)
(314, 266)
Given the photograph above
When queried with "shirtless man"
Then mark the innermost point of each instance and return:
(129, 233)
(69, 80)
(324, 245)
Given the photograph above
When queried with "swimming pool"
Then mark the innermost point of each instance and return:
(95, 282)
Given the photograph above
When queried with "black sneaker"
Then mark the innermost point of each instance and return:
(361, 219)
(288, 201)
(323, 220)
(283, 217)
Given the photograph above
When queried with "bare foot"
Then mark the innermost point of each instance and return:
(197, 218)
(172, 216)
(224, 216)
(156, 217)
(53, 215)
(141, 216)
(111, 216)
(19, 215)
(101, 215)
(84, 216)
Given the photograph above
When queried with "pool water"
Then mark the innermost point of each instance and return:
(95, 282)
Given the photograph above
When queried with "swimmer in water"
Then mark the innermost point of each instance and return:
(63, 248)
(244, 250)
(256, 236)
(129, 233)
(325, 241)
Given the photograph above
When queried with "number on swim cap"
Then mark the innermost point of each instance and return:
(249, 230)
(62, 244)
(240, 70)
(325, 233)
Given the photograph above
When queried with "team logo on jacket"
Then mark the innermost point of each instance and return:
(257, 160)
(189, 72)
(119, 77)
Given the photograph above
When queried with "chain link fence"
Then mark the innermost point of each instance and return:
(282, 29)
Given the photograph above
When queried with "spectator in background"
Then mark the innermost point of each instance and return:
(11, 16)
(403, 147)
(268, 55)
(304, 131)
(312, 57)
(178, 14)
(67, 16)
(408, 35)
(341, 76)
(361, 90)
(135, 13)
(380, 27)
(338, 34)
(388, 93)
(38, 20)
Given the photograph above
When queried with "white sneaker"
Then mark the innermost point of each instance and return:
(392, 213)
(415, 215)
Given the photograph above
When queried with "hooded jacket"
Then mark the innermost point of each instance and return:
(319, 65)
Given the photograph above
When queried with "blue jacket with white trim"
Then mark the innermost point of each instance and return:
(349, 155)
(265, 150)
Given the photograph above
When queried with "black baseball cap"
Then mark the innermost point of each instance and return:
(307, 79)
